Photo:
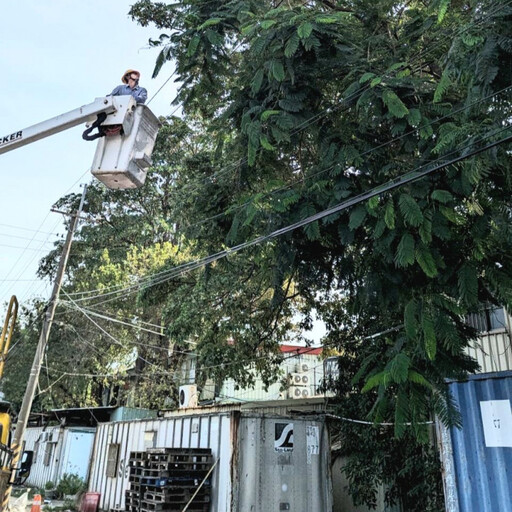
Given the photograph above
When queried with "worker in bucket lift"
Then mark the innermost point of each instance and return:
(131, 86)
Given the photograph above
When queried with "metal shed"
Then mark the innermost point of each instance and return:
(265, 462)
(58, 450)
(477, 458)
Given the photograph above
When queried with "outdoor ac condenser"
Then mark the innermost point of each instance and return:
(298, 379)
(302, 367)
(295, 392)
(188, 396)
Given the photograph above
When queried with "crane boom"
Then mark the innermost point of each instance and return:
(57, 124)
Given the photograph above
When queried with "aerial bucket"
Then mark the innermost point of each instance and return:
(121, 161)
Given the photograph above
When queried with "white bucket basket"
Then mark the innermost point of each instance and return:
(121, 161)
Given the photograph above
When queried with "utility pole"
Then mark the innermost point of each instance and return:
(40, 351)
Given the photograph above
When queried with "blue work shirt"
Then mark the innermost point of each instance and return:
(139, 93)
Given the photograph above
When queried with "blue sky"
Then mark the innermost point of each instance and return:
(56, 56)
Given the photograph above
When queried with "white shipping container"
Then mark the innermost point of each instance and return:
(264, 462)
(57, 451)
(46, 444)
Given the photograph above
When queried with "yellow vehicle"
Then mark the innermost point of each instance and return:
(6, 453)
(5, 423)
(5, 436)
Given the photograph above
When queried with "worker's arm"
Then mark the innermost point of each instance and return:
(140, 94)
(117, 91)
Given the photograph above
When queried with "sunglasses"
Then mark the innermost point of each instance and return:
(136, 79)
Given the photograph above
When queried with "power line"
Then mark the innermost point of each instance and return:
(291, 355)
(27, 246)
(367, 152)
(408, 177)
(343, 101)
(74, 306)
(27, 229)
(230, 210)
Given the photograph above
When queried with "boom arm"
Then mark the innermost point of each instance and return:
(57, 124)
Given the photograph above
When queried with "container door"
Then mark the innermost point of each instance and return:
(77, 453)
(283, 465)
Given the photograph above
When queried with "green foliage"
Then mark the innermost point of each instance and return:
(70, 484)
(395, 105)
(405, 251)
(288, 111)
(410, 210)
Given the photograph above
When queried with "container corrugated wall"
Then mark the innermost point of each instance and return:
(478, 457)
(260, 465)
(46, 443)
(208, 431)
(283, 464)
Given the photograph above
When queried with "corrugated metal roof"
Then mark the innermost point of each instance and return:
(282, 407)
(482, 448)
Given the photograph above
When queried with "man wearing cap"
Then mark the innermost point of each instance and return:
(131, 80)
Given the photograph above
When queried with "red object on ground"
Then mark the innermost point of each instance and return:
(90, 502)
(36, 504)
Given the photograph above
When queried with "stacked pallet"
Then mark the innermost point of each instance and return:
(167, 478)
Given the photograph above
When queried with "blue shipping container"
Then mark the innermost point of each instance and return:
(478, 457)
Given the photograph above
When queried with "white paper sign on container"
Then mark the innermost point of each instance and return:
(497, 423)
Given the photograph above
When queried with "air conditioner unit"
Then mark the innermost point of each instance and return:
(302, 367)
(299, 379)
(295, 392)
(188, 396)
(295, 379)
(305, 393)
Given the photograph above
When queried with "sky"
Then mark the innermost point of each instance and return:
(58, 55)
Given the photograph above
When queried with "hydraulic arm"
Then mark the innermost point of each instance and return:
(57, 124)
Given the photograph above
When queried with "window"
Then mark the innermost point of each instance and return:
(36, 450)
(331, 372)
(48, 453)
(112, 458)
(488, 319)
(149, 439)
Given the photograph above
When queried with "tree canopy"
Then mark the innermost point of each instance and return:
(291, 109)
(308, 104)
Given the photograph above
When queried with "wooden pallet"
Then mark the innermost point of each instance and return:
(173, 495)
(176, 505)
(165, 479)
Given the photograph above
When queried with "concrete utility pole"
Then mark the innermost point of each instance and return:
(40, 351)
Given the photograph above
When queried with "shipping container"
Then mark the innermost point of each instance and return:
(477, 458)
(57, 451)
(263, 462)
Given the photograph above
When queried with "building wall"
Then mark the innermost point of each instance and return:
(493, 349)
(290, 366)
(46, 443)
